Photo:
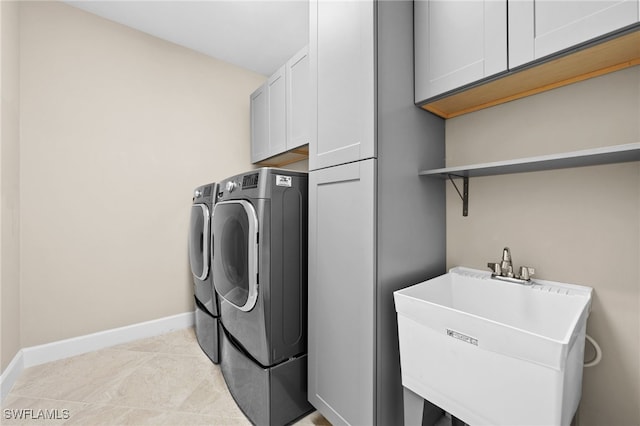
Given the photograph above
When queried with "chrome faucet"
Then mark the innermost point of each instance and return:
(504, 270)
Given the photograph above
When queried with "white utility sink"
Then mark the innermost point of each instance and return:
(493, 352)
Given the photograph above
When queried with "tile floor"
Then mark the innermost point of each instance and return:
(163, 380)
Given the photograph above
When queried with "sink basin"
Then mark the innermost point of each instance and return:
(492, 352)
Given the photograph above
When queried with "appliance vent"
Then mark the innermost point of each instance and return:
(250, 181)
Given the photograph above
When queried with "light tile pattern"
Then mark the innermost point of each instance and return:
(163, 380)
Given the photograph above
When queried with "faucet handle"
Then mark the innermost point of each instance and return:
(526, 272)
(495, 268)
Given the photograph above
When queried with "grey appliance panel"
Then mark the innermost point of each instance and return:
(267, 396)
(207, 333)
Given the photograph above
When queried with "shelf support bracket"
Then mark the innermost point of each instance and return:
(464, 196)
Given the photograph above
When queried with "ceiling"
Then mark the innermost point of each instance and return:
(259, 35)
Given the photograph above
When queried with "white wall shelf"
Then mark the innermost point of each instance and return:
(588, 157)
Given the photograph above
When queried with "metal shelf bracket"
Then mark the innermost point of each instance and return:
(464, 196)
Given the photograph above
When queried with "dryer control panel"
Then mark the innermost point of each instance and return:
(259, 184)
(237, 183)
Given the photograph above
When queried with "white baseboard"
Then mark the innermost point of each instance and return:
(11, 374)
(36, 355)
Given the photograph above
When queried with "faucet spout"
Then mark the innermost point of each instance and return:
(506, 255)
(506, 266)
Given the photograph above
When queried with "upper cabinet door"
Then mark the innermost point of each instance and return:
(259, 124)
(298, 100)
(457, 43)
(277, 120)
(538, 28)
(343, 82)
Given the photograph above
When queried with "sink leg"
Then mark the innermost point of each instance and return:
(457, 422)
(419, 411)
(413, 408)
(432, 414)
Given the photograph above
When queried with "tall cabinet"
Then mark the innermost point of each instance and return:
(374, 225)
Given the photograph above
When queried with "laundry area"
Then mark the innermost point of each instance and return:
(320, 212)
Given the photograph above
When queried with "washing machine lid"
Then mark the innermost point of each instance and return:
(235, 246)
(199, 233)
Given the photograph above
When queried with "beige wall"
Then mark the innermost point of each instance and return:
(117, 129)
(9, 179)
(579, 226)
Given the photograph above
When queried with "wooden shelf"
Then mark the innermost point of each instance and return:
(587, 157)
(280, 160)
(590, 60)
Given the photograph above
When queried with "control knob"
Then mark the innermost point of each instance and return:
(231, 186)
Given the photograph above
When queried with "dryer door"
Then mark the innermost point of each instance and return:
(235, 244)
(199, 241)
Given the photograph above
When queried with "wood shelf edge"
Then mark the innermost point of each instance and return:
(592, 61)
(547, 87)
(286, 158)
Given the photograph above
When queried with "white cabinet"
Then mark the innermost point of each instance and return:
(538, 28)
(298, 100)
(341, 310)
(343, 64)
(280, 110)
(277, 113)
(457, 43)
(259, 124)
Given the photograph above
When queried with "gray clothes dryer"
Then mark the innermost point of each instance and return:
(207, 314)
(259, 234)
